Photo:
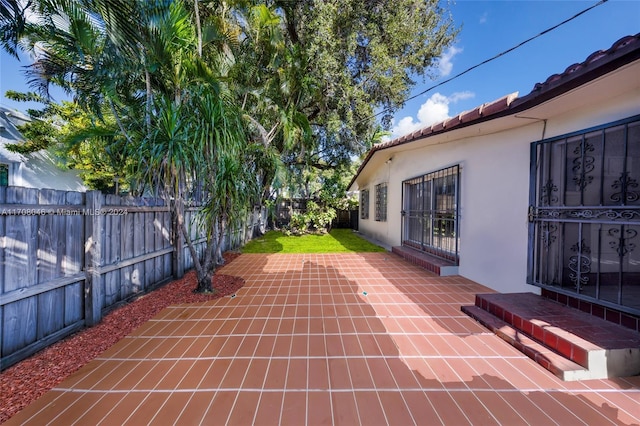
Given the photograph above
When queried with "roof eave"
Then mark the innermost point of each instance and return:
(622, 52)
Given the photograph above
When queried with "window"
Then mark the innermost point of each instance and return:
(4, 175)
(381, 202)
(430, 214)
(364, 204)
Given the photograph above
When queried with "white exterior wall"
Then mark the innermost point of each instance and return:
(494, 184)
(35, 170)
(40, 171)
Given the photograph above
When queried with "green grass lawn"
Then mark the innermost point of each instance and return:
(337, 241)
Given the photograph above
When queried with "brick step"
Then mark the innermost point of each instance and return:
(438, 266)
(556, 363)
(603, 348)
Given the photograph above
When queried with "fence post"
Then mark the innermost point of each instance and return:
(177, 239)
(93, 222)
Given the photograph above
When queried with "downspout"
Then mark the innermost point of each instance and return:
(544, 120)
(533, 169)
(387, 195)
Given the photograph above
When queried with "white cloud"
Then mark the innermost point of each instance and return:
(434, 110)
(404, 126)
(483, 18)
(445, 66)
(460, 96)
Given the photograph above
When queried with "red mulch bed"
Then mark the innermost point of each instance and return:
(31, 378)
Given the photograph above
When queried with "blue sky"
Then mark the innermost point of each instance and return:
(491, 27)
(487, 28)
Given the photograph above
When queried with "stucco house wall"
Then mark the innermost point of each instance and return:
(35, 170)
(494, 157)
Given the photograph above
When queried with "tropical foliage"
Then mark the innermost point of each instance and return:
(316, 219)
(227, 102)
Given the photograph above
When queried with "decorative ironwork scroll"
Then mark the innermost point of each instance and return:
(580, 265)
(583, 164)
(548, 231)
(547, 197)
(621, 242)
(586, 214)
(624, 183)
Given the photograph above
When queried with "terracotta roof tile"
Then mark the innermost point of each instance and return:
(601, 62)
(498, 105)
(592, 60)
(426, 131)
(452, 122)
(595, 56)
(471, 115)
(437, 127)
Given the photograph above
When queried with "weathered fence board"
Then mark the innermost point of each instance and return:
(19, 325)
(73, 303)
(20, 245)
(149, 247)
(72, 262)
(74, 242)
(36, 290)
(112, 235)
(93, 259)
(49, 264)
(162, 224)
(126, 252)
(68, 257)
(111, 283)
(20, 238)
(49, 317)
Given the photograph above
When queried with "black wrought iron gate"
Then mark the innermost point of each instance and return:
(584, 215)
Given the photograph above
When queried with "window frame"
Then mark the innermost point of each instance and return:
(422, 215)
(364, 204)
(381, 202)
(4, 172)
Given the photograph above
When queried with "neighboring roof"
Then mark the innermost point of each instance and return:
(622, 52)
(15, 116)
(9, 133)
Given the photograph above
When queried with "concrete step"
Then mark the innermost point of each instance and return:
(552, 361)
(437, 265)
(603, 348)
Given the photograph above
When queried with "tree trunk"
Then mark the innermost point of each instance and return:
(205, 268)
(205, 282)
(149, 100)
(219, 238)
(198, 27)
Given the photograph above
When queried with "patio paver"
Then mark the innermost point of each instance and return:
(327, 339)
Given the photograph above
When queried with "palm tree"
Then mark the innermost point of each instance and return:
(197, 135)
(162, 78)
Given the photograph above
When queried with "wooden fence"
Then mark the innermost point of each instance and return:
(67, 258)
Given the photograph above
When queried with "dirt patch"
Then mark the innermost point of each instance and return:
(31, 378)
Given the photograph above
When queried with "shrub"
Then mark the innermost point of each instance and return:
(320, 218)
(299, 223)
(316, 218)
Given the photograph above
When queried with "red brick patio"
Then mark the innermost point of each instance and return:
(327, 339)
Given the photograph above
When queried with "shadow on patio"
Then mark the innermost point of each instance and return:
(327, 339)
